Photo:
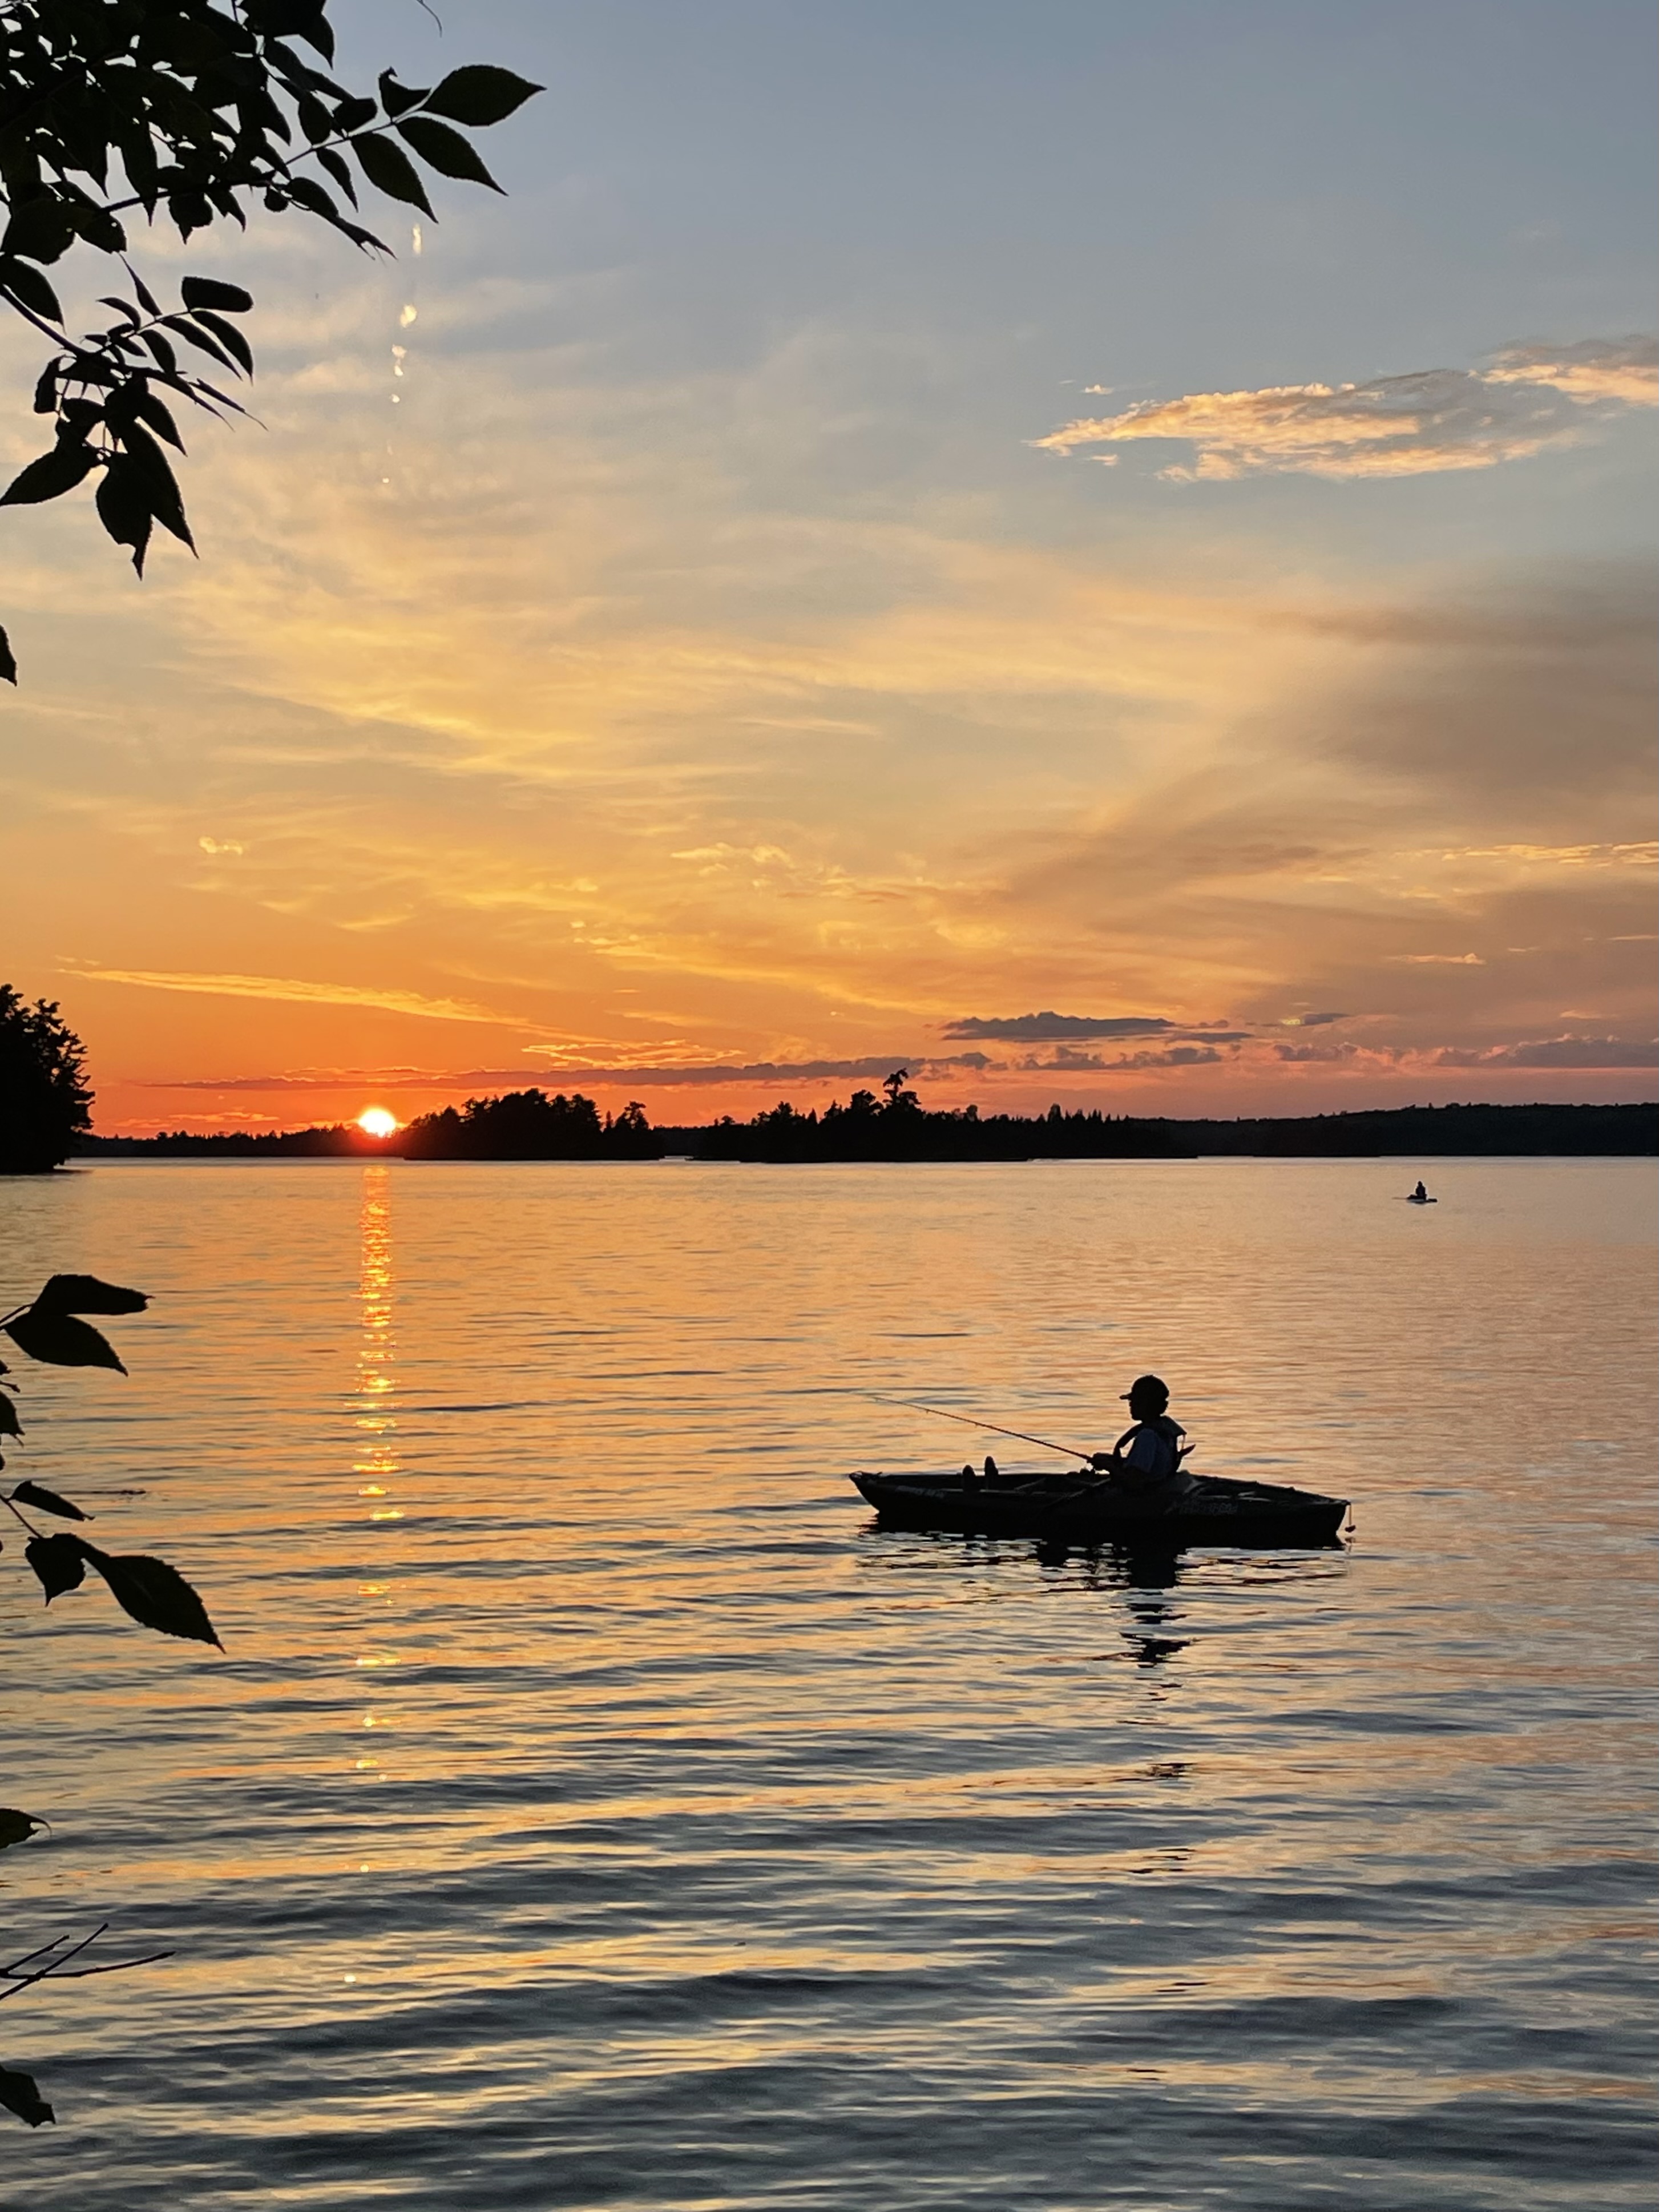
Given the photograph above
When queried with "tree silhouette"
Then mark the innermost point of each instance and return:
(44, 1103)
(186, 112)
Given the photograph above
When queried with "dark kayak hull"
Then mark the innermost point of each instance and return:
(1262, 1515)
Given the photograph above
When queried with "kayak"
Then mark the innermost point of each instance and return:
(1412, 1199)
(1077, 1508)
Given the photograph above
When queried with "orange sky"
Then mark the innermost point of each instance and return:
(582, 686)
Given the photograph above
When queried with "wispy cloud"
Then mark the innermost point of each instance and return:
(1067, 1060)
(1050, 1028)
(699, 1075)
(1530, 397)
(287, 988)
(1556, 1052)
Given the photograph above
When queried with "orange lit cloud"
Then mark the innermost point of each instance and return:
(1395, 426)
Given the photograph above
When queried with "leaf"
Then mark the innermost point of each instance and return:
(9, 1423)
(207, 292)
(391, 171)
(397, 99)
(85, 1294)
(306, 193)
(161, 488)
(17, 1827)
(479, 95)
(228, 336)
(335, 163)
(47, 1501)
(40, 228)
(49, 477)
(46, 389)
(19, 2095)
(123, 509)
(147, 299)
(162, 351)
(145, 404)
(449, 153)
(202, 341)
(154, 1594)
(58, 1339)
(24, 281)
(60, 1562)
(8, 659)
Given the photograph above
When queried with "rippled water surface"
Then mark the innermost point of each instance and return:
(592, 1810)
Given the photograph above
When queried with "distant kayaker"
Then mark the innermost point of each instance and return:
(1421, 1193)
(1148, 1456)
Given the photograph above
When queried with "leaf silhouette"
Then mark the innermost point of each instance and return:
(17, 1827)
(47, 1501)
(450, 154)
(9, 1423)
(29, 286)
(49, 477)
(479, 95)
(58, 1339)
(19, 2095)
(208, 292)
(123, 507)
(154, 1594)
(60, 1562)
(85, 1294)
(390, 169)
(228, 336)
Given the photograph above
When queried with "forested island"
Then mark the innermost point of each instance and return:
(529, 1125)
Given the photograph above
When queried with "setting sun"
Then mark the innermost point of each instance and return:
(376, 1121)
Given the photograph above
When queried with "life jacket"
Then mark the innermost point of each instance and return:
(1169, 1434)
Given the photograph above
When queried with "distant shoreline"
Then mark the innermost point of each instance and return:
(528, 1126)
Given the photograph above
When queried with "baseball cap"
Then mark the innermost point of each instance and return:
(1148, 1386)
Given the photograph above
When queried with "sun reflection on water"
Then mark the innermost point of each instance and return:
(375, 1463)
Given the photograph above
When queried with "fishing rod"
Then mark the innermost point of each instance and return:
(1067, 1451)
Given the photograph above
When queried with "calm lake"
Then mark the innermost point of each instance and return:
(591, 1809)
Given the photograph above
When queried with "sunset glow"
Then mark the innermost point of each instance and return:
(875, 614)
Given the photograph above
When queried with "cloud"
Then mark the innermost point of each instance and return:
(1045, 1028)
(1624, 369)
(1419, 424)
(1065, 1060)
(1535, 700)
(697, 1075)
(1311, 1021)
(1555, 1052)
(1638, 855)
(286, 988)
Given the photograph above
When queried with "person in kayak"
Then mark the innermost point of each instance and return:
(1147, 1457)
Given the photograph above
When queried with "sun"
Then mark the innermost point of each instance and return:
(375, 1121)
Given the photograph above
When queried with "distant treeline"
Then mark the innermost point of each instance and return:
(528, 1125)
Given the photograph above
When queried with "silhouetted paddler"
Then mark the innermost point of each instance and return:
(1148, 1456)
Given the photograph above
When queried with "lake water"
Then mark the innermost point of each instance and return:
(591, 1809)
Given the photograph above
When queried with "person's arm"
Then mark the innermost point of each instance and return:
(1114, 1462)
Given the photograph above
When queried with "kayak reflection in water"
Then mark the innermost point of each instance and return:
(1147, 1457)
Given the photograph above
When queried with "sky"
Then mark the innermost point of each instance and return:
(1089, 552)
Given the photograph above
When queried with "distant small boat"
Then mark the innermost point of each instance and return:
(1077, 1508)
(1420, 1198)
